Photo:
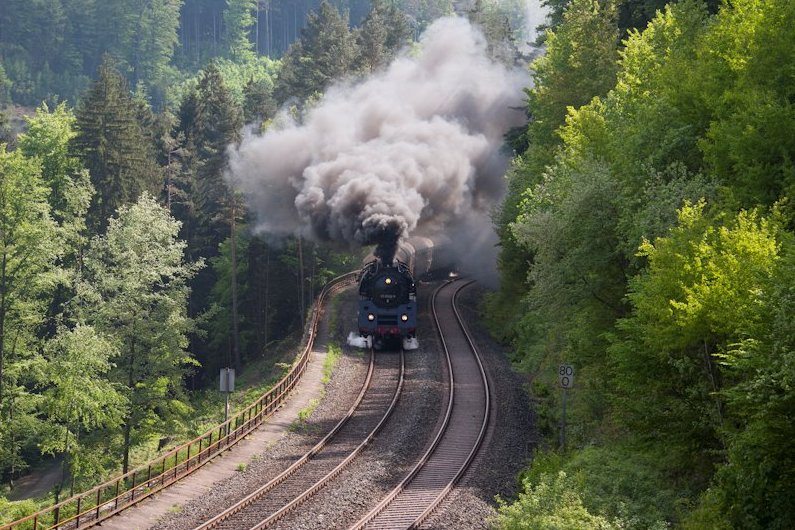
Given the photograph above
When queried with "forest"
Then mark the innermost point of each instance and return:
(647, 238)
(130, 272)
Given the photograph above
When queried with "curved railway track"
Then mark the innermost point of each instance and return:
(315, 469)
(91, 507)
(462, 431)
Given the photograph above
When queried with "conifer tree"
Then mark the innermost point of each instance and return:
(258, 104)
(154, 41)
(239, 20)
(384, 31)
(113, 146)
(218, 123)
(325, 52)
(210, 121)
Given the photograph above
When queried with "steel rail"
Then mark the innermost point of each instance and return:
(278, 479)
(91, 507)
(486, 416)
(342, 465)
(431, 452)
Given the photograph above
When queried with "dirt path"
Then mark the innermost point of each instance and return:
(39, 483)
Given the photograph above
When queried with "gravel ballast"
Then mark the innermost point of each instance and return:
(509, 442)
(404, 438)
(397, 447)
(340, 393)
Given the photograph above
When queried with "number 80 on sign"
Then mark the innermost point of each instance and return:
(566, 375)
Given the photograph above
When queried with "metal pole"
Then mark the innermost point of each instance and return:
(226, 412)
(563, 424)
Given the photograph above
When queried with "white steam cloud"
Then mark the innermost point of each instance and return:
(416, 148)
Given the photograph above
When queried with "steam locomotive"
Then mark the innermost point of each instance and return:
(388, 295)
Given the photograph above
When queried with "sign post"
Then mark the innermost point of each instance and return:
(566, 381)
(227, 387)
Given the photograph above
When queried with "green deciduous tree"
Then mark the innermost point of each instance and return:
(580, 63)
(704, 291)
(554, 503)
(76, 394)
(28, 251)
(135, 293)
(48, 138)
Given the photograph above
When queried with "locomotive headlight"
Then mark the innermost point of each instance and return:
(370, 317)
(388, 281)
(404, 317)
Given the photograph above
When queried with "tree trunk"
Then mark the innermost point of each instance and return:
(301, 279)
(235, 326)
(267, 292)
(128, 422)
(3, 285)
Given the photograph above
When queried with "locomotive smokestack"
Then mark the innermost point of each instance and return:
(415, 147)
(386, 248)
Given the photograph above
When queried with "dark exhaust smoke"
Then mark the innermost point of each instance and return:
(416, 148)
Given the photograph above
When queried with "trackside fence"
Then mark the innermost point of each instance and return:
(97, 504)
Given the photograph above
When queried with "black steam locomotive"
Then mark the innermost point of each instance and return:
(388, 302)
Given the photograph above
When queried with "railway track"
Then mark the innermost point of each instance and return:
(315, 469)
(460, 435)
(91, 507)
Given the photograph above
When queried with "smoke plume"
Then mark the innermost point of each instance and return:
(413, 149)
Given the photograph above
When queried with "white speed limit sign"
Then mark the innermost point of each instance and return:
(566, 375)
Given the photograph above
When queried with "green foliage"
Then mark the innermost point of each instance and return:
(134, 291)
(238, 20)
(5, 87)
(77, 396)
(750, 94)
(703, 291)
(383, 33)
(618, 483)
(325, 52)
(48, 138)
(113, 146)
(683, 349)
(51, 47)
(502, 24)
(332, 358)
(554, 503)
(217, 123)
(236, 76)
(219, 323)
(28, 252)
(258, 103)
(580, 63)
(210, 120)
(754, 487)
(13, 511)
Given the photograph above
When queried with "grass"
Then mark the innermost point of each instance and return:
(241, 467)
(300, 424)
(332, 357)
(333, 318)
